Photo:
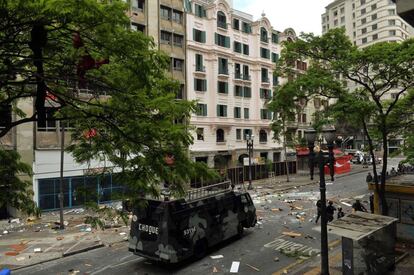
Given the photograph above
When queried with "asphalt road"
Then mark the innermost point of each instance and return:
(256, 251)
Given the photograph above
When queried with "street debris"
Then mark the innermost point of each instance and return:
(11, 253)
(15, 221)
(73, 272)
(254, 268)
(215, 270)
(235, 267)
(37, 250)
(215, 257)
(277, 209)
(19, 259)
(291, 234)
(345, 203)
(60, 238)
(5, 232)
(122, 233)
(276, 259)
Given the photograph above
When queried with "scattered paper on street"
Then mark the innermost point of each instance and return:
(214, 257)
(235, 267)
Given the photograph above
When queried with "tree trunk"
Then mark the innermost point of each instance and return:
(384, 170)
(285, 149)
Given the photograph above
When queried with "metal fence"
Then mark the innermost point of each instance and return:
(239, 175)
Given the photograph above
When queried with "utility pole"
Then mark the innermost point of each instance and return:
(62, 156)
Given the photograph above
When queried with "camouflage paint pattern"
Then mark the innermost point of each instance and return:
(168, 231)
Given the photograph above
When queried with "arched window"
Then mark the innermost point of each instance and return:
(263, 35)
(221, 20)
(220, 135)
(263, 136)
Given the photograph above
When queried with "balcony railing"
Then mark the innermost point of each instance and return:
(200, 68)
(238, 76)
(224, 72)
(246, 77)
(265, 79)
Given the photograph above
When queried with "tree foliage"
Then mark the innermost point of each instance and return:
(365, 85)
(15, 191)
(52, 51)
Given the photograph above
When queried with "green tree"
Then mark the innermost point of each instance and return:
(52, 51)
(14, 191)
(360, 82)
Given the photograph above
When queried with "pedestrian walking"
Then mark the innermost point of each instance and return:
(369, 178)
(330, 211)
(319, 210)
(340, 213)
(357, 206)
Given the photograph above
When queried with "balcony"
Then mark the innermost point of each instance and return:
(265, 81)
(200, 70)
(247, 77)
(223, 73)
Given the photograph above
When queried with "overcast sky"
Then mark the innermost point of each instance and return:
(301, 15)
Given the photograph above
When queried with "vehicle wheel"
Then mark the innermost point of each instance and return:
(240, 230)
(200, 249)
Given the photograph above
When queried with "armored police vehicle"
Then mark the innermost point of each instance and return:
(173, 230)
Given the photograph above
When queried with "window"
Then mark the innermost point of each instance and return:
(221, 110)
(336, 22)
(391, 12)
(373, 6)
(263, 35)
(222, 87)
(275, 80)
(237, 112)
(245, 49)
(237, 47)
(246, 74)
(165, 37)
(275, 38)
(364, 30)
(374, 17)
(246, 27)
(391, 22)
(363, 11)
(165, 13)
(364, 40)
(238, 90)
(303, 118)
(392, 32)
(236, 24)
(177, 16)
(199, 63)
(200, 133)
(363, 20)
(265, 75)
(335, 13)
(238, 134)
(265, 114)
(178, 64)
(374, 27)
(49, 124)
(221, 20)
(221, 40)
(237, 71)
(137, 27)
(375, 37)
(342, 9)
(137, 5)
(265, 93)
(246, 113)
(264, 53)
(354, 34)
(262, 136)
(199, 11)
(275, 57)
(199, 36)
(300, 65)
(201, 109)
(247, 91)
(5, 116)
(220, 135)
(247, 132)
(200, 85)
(223, 66)
(342, 19)
(362, 2)
(178, 40)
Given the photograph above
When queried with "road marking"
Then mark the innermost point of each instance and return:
(284, 246)
(113, 266)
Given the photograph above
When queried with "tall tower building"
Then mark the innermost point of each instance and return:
(366, 21)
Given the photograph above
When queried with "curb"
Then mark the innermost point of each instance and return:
(99, 245)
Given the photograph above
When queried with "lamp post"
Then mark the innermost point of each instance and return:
(329, 136)
(249, 142)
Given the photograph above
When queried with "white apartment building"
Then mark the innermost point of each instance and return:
(366, 21)
(230, 63)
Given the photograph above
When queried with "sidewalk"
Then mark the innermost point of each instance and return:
(36, 242)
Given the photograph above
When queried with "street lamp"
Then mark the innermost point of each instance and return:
(329, 135)
(249, 142)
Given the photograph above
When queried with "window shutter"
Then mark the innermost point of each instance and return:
(194, 34)
(203, 12)
(227, 42)
(226, 88)
(216, 38)
(204, 85)
(218, 110)
(195, 84)
(225, 110)
(261, 93)
(205, 110)
(203, 37)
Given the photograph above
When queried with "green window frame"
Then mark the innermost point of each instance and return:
(246, 113)
(222, 87)
(201, 109)
(237, 112)
(221, 110)
(222, 40)
(199, 36)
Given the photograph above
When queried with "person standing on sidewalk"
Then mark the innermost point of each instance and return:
(340, 213)
(369, 178)
(330, 211)
(319, 210)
